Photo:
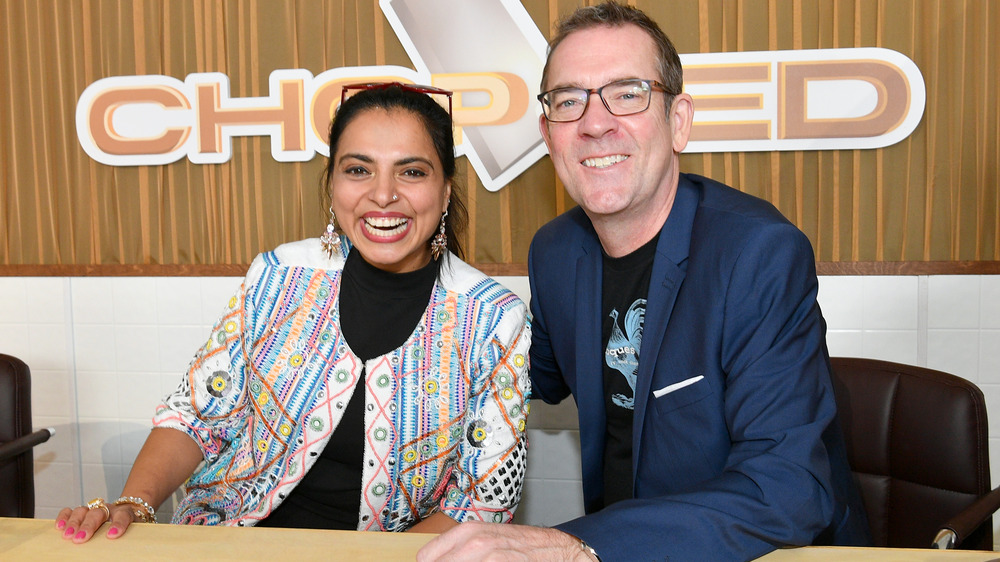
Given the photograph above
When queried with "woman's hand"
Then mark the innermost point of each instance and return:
(167, 459)
(81, 523)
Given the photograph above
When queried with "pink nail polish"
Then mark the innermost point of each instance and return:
(80, 535)
(69, 532)
(113, 532)
(60, 524)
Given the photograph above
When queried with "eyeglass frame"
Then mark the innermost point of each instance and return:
(654, 85)
(419, 88)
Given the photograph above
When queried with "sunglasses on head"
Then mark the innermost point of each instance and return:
(430, 90)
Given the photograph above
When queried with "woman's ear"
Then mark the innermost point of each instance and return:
(447, 196)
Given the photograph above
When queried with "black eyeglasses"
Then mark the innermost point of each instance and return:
(621, 97)
(431, 90)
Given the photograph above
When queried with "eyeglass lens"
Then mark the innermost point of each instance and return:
(621, 98)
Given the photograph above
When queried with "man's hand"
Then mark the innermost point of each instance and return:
(491, 541)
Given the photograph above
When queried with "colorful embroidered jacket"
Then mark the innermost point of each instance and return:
(444, 413)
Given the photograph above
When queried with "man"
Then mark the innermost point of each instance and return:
(681, 315)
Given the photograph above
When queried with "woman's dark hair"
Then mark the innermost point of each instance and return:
(438, 125)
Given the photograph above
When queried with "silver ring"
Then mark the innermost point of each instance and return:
(395, 197)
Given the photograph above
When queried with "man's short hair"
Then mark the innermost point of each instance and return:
(613, 14)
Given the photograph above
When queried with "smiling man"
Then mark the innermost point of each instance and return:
(681, 315)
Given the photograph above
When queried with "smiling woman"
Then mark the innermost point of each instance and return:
(388, 188)
(390, 175)
(365, 380)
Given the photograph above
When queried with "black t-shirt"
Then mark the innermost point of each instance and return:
(378, 312)
(625, 284)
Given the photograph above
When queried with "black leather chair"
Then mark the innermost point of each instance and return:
(17, 477)
(917, 444)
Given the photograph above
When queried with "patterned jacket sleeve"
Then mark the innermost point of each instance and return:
(486, 482)
(208, 405)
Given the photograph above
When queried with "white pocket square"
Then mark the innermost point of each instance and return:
(676, 386)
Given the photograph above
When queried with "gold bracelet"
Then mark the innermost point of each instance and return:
(147, 514)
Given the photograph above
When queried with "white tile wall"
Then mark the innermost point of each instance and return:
(36, 326)
(989, 357)
(953, 302)
(887, 303)
(103, 351)
(989, 302)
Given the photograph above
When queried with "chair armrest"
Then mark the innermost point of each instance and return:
(13, 448)
(956, 529)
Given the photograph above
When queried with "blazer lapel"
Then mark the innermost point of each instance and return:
(669, 270)
(659, 305)
(589, 361)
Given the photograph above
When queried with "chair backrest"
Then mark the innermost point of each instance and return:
(17, 477)
(917, 444)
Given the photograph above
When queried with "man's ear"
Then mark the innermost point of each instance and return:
(681, 117)
(543, 127)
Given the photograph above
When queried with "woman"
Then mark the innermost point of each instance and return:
(366, 380)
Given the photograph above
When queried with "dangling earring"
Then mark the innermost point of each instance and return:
(330, 239)
(440, 241)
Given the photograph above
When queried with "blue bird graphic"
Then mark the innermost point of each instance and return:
(622, 353)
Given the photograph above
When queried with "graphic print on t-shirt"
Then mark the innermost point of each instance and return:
(622, 352)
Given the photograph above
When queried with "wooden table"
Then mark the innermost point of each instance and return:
(851, 554)
(37, 539)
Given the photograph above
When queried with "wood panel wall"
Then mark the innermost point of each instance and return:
(928, 204)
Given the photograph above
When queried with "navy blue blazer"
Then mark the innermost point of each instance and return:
(729, 466)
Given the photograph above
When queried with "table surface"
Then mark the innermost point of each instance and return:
(841, 553)
(37, 539)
